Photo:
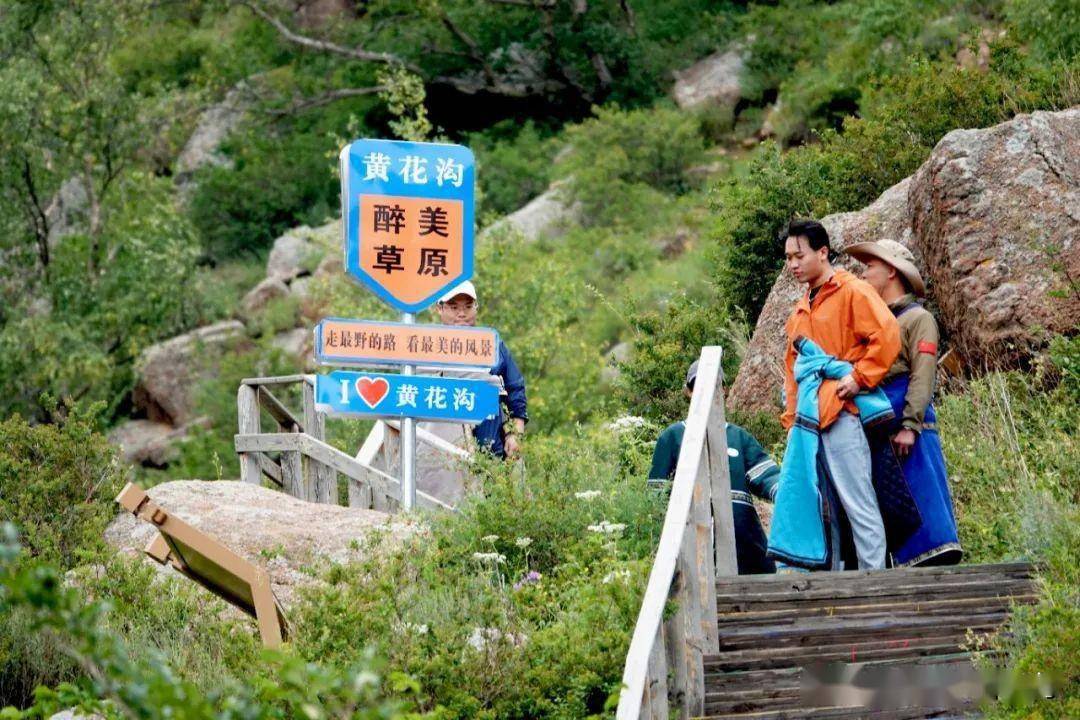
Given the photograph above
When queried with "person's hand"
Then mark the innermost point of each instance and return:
(512, 446)
(847, 387)
(903, 441)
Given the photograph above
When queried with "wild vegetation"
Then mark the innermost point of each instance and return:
(518, 606)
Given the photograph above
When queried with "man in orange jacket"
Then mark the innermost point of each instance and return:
(845, 317)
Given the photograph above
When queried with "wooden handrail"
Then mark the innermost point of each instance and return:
(688, 559)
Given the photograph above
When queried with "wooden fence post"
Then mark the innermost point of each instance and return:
(247, 412)
(322, 479)
(723, 523)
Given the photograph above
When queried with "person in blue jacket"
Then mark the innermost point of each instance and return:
(752, 471)
(499, 436)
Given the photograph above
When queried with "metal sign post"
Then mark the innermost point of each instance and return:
(408, 443)
(407, 220)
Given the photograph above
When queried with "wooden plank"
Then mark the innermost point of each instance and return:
(635, 670)
(279, 380)
(829, 630)
(891, 609)
(268, 442)
(281, 414)
(359, 493)
(247, 420)
(699, 542)
(380, 481)
(725, 562)
(292, 473)
(323, 477)
(941, 587)
(947, 643)
(748, 582)
(269, 468)
(430, 438)
(989, 593)
(654, 702)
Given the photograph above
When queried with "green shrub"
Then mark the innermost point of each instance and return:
(278, 182)
(1051, 26)
(617, 149)
(511, 168)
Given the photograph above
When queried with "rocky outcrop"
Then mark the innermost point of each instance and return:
(291, 538)
(996, 214)
(715, 81)
(760, 379)
(168, 373)
(547, 215)
(299, 251)
(268, 290)
(203, 148)
(993, 219)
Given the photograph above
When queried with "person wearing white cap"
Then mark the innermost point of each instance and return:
(752, 471)
(497, 436)
(909, 385)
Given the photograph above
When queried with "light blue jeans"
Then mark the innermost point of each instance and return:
(848, 456)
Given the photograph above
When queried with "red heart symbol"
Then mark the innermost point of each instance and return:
(372, 390)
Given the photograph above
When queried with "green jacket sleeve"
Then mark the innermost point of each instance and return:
(923, 345)
(762, 472)
(665, 456)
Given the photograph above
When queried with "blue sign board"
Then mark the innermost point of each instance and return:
(408, 218)
(345, 392)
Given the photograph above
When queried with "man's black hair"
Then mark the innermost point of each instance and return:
(814, 232)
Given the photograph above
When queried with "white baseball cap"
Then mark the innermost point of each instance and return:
(465, 288)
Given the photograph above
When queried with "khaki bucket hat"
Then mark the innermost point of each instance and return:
(894, 254)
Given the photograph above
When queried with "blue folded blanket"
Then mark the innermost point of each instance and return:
(797, 535)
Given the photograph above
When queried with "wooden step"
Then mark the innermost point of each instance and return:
(844, 713)
(750, 582)
(948, 642)
(899, 593)
(833, 630)
(870, 607)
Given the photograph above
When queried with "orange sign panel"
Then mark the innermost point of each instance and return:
(363, 342)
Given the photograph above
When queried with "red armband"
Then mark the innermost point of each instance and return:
(925, 346)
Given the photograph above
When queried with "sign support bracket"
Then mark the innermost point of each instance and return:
(408, 442)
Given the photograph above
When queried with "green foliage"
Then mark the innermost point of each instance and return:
(904, 117)
(57, 483)
(666, 342)
(514, 166)
(456, 608)
(117, 684)
(1051, 26)
(277, 183)
(617, 150)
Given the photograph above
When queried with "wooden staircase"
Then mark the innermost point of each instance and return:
(756, 647)
(771, 626)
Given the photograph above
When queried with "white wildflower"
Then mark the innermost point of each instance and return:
(365, 678)
(482, 638)
(622, 575)
(607, 528)
(626, 422)
(523, 542)
(588, 494)
(490, 538)
(491, 557)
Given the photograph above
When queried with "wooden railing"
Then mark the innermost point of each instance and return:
(665, 662)
(296, 456)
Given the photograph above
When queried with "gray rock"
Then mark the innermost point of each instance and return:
(299, 251)
(214, 125)
(290, 538)
(715, 81)
(620, 353)
(546, 216)
(66, 213)
(996, 214)
(297, 343)
(168, 373)
(145, 442)
(259, 296)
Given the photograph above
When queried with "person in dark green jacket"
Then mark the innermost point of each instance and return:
(752, 472)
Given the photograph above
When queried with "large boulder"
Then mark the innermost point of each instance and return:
(996, 214)
(145, 442)
(715, 81)
(258, 297)
(761, 373)
(299, 251)
(168, 373)
(290, 538)
(547, 215)
(993, 219)
(203, 148)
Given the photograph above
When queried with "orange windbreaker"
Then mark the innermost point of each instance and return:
(850, 322)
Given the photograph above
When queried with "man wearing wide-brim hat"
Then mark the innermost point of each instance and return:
(909, 385)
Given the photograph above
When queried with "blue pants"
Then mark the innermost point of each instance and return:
(847, 455)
